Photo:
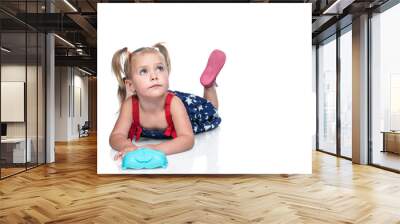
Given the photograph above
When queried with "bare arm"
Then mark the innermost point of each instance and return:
(119, 135)
(185, 137)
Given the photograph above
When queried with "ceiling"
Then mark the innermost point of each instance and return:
(76, 22)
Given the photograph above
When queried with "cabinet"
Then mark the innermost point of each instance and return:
(391, 141)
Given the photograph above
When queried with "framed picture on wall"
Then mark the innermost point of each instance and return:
(12, 101)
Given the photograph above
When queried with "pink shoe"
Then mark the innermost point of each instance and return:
(215, 63)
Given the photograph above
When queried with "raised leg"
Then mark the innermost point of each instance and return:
(210, 94)
(214, 65)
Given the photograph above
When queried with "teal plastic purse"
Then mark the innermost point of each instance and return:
(144, 158)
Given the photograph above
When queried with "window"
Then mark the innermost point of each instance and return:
(346, 92)
(327, 96)
(385, 88)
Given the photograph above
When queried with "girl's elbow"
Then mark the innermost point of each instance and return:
(110, 138)
(187, 142)
(113, 139)
(191, 141)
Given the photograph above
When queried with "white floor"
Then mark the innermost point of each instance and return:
(202, 158)
(221, 152)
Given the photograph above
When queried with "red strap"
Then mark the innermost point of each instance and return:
(131, 131)
(136, 129)
(170, 131)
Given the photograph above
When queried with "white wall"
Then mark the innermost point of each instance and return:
(33, 127)
(68, 81)
(13, 73)
(61, 103)
(81, 83)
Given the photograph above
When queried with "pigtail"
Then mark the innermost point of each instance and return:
(163, 50)
(119, 67)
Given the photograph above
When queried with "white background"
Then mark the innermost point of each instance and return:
(264, 88)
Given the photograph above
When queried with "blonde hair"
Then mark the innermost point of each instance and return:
(121, 64)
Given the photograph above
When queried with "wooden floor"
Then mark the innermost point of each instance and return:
(70, 191)
(10, 171)
(387, 159)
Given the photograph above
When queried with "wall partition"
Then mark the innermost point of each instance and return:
(22, 87)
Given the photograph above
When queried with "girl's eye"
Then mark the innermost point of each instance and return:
(143, 72)
(160, 68)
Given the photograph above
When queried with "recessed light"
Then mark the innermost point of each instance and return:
(338, 6)
(5, 49)
(64, 40)
(84, 71)
(70, 5)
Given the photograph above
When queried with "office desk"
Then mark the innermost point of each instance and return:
(391, 141)
(15, 148)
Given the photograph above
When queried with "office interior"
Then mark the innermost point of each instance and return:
(48, 84)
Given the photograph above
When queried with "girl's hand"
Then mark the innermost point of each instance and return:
(121, 153)
(150, 146)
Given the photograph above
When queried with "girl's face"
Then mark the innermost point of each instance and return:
(149, 76)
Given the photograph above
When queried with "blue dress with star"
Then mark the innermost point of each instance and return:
(202, 114)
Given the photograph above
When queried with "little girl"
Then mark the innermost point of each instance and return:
(152, 110)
